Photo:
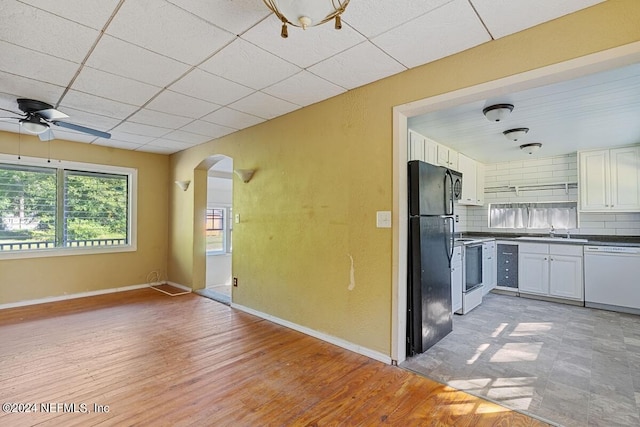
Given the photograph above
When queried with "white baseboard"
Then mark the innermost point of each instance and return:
(321, 336)
(179, 286)
(71, 296)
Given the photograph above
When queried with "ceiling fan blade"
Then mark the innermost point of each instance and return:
(47, 135)
(82, 129)
(52, 114)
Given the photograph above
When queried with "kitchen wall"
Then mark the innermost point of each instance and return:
(543, 171)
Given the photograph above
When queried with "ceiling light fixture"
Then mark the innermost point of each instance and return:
(531, 148)
(33, 125)
(515, 134)
(495, 113)
(307, 13)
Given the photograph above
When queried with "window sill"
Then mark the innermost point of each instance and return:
(45, 253)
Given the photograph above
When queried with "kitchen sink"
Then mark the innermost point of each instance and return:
(554, 239)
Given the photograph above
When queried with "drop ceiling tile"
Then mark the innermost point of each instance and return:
(362, 64)
(303, 47)
(45, 32)
(94, 104)
(141, 129)
(233, 118)
(93, 14)
(235, 16)
(445, 31)
(166, 29)
(209, 129)
(70, 135)
(247, 64)
(119, 135)
(127, 60)
(181, 105)
(304, 89)
(372, 21)
(263, 105)
(21, 87)
(504, 17)
(163, 149)
(35, 65)
(9, 126)
(185, 137)
(91, 120)
(114, 87)
(117, 144)
(156, 118)
(202, 85)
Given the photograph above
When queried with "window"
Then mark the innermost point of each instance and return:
(560, 215)
(81, 206)
(218, 229)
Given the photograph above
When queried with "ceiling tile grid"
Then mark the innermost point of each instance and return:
(166, 75)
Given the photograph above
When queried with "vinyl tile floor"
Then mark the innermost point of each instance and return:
(574, 366)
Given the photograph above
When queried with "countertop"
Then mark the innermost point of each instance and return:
(474, 237)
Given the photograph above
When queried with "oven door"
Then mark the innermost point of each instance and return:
(473, 267)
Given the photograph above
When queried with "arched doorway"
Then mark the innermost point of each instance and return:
(218, 229)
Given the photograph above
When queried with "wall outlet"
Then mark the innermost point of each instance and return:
(235, 282)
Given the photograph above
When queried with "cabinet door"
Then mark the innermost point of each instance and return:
(468, 168)
(533, 273)
(443, 155)
(625, 178)
(594, 180)
(456, 280)
(430, 151)
(479, 184)
(565, 277)
(416, 146)
(489, 267)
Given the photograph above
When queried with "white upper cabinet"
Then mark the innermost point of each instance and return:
(472, 181)
(447, 157)
(422, 148)
(610, 180)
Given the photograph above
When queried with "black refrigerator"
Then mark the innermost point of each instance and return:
(432, 194)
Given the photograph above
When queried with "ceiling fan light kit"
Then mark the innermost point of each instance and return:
(37, 118)
(497, 112)
(307, 13)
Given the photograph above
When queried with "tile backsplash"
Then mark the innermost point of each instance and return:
(552, 170)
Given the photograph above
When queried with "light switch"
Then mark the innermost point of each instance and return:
(383, 219)
(237, 218)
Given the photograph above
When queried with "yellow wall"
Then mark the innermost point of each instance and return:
(35, 278)
(323, 172)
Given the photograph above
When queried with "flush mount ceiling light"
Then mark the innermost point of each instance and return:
(515, 134)
(307, 13)
(496, 113)
(33, 125)
(531, 148)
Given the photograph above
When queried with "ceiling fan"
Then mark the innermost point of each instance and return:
(37, 118)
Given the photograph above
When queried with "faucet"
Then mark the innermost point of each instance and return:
(552, 232)
(568, 233)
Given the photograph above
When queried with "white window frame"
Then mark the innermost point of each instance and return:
(132, 225)
(227, 227)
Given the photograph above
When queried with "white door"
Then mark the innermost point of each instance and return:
(565, 276)
(533, 273)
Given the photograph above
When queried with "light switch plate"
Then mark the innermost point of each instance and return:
(383, 219)
(237, 218)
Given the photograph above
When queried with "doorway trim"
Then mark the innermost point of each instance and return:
(589, 64)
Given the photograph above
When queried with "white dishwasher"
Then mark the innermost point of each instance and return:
(612, 278)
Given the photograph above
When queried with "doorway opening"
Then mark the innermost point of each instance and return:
(218, 229)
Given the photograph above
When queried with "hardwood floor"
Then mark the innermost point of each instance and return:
(146, 358)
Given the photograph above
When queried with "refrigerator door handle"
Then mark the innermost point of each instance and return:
(450, 198)
(451, 237)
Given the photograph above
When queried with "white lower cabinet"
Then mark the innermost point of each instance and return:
(551, 270)
(489, 267)
(456, 279)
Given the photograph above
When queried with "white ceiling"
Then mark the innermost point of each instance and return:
(597, 110)
(165, 75)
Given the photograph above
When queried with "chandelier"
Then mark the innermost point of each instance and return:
(306, 13)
